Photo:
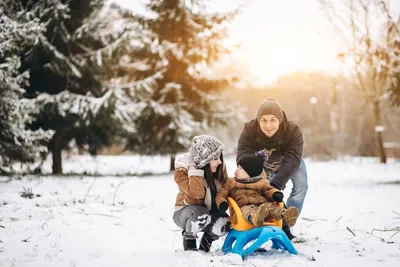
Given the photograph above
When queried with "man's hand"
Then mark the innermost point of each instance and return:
(264, 155)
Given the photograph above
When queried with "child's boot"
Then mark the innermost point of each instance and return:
(289, 215)
(258, 218)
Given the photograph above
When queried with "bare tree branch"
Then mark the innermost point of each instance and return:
(87, 193)
(385, 9)
(350, 231)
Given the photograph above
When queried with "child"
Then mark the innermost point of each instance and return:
(254, 195)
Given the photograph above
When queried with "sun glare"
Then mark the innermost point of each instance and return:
(276, 40)
(277, 37)
(268, 61)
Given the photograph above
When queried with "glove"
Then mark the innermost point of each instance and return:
(192, 168)
(277, 196)
(264, 155)
(223, 206)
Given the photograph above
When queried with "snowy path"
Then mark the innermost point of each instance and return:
(126, 221)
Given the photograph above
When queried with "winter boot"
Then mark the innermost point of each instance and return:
(205, 243)
(258, 218)
(227, 227)
(290, 216)
(189, 244)
(286, 230)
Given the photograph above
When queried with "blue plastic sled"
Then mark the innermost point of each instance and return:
(260, 235)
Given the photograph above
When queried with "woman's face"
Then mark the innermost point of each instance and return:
(214, 163)
(269, 125)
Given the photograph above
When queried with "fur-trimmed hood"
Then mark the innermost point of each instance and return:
(249, 180)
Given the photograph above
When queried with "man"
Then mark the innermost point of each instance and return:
(280, 143)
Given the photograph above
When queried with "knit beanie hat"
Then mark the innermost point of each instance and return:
(253, 165)
(270, 106)
(203, 149)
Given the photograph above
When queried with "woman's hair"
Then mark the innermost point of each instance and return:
(218, 175)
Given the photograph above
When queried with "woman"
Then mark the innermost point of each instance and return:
(280, 142)
(200, 174)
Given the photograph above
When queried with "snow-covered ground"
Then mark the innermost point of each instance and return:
(127, 220)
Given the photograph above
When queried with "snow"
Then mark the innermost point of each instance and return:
(111, 165)
(127, 220)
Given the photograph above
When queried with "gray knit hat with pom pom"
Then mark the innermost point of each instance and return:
(203, 149)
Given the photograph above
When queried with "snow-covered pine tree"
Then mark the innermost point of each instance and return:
(16, 143)
(184, 40)
(70, 65)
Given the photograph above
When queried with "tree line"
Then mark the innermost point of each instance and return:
(99, 74)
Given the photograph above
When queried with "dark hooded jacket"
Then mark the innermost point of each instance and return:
(285, 149)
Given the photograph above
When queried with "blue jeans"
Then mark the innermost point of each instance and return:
(299, 189)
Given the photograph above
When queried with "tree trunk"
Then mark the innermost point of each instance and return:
(172, 163)
(56, 151)
(381, 149)
(378, 132)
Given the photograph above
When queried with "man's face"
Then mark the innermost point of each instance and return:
(269, 124)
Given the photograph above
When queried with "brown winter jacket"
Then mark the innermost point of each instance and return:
(193, 188)
(286, 147)
(255, 193)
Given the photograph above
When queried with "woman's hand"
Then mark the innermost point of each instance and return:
(223, 206)
(191, 168)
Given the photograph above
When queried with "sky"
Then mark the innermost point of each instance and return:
(126, 220)
(277, 37)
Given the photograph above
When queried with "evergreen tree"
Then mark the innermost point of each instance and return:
(184, 41)
(71, 66)
(16, 143)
